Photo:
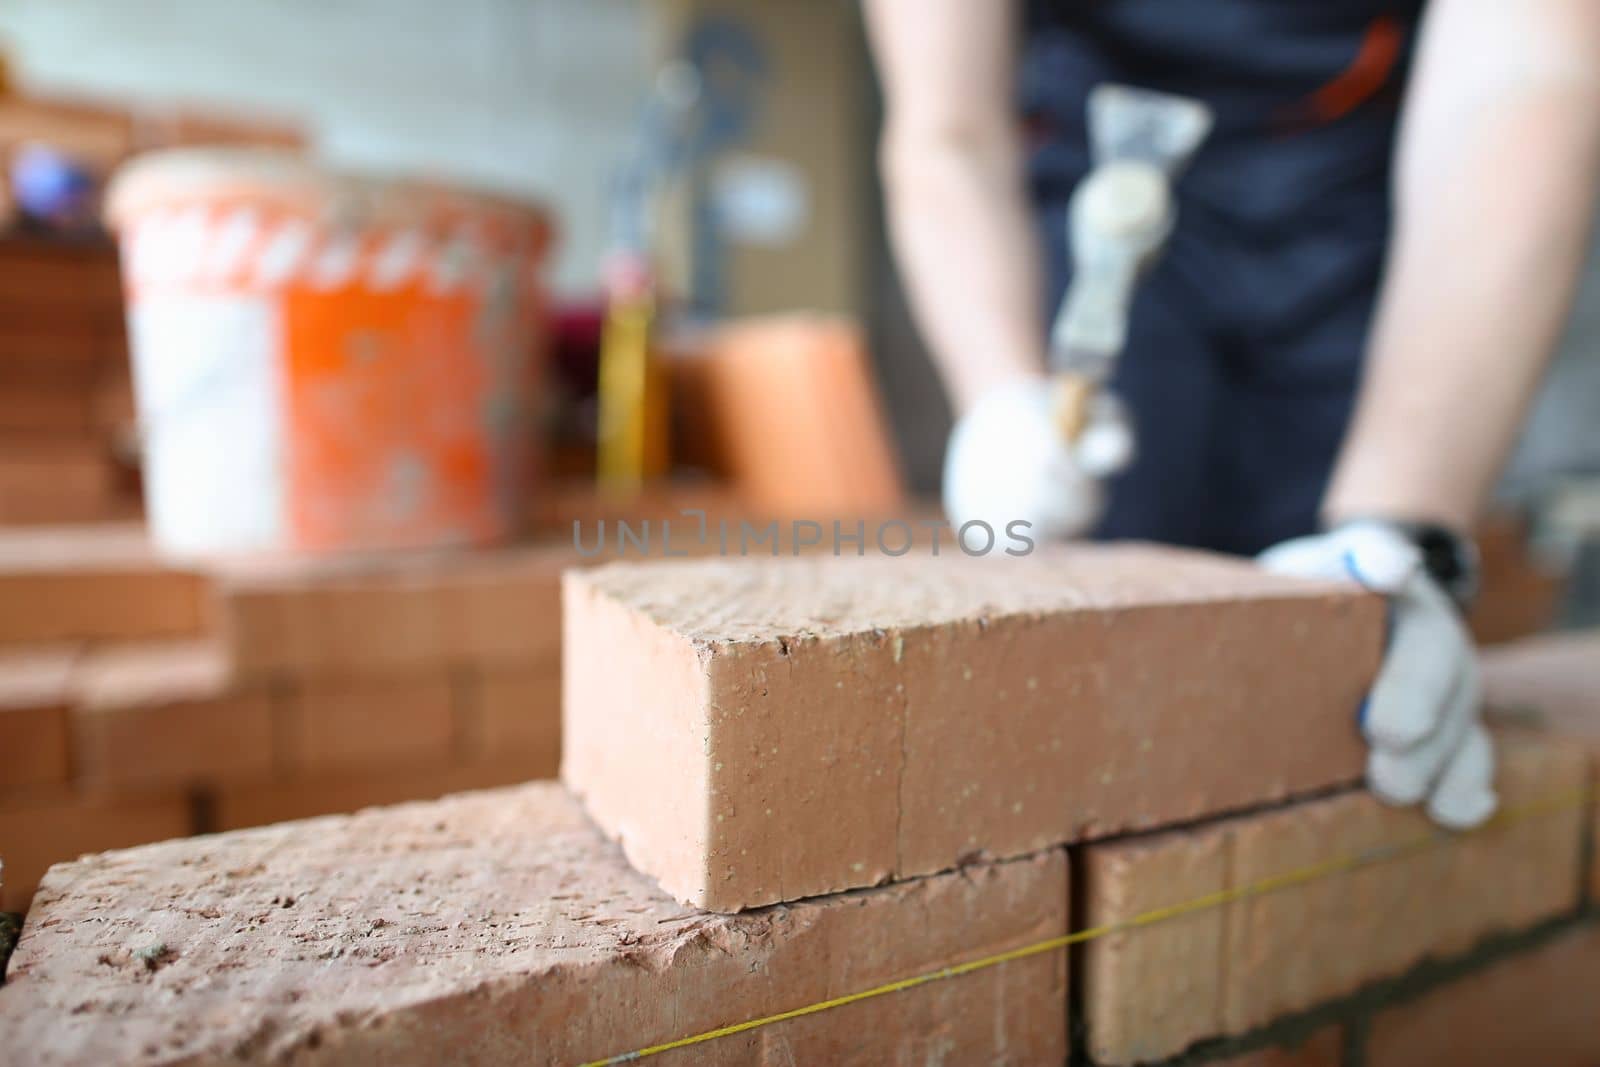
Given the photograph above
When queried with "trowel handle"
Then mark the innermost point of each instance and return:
(1074, 394)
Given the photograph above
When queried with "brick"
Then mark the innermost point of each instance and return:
(40, 404)
(38, 472)
(1241, 965)
(337, 723)
(56, 276)
(766, 730)
(521, 712)
(408, 612)
(1550, 686)
(786, 410)
(1536, 1007)
(246, 804)
(1519, 594)
(164, 714)
(34, 696)
(1324, 1048)
(94, 583)
(499, 928)
(1150, 992)
(51, 826)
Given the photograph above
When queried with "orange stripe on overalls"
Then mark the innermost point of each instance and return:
(1375, 63)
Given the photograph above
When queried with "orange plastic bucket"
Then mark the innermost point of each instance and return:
(326, 363)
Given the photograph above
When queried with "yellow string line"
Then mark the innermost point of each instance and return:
(1300, 876)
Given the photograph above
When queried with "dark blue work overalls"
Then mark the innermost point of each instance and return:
(1247, 339)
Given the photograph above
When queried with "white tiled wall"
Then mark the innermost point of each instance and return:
(536, 96)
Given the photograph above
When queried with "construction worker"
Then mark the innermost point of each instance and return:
(1333, 356)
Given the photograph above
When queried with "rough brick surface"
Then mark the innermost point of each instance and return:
(373, 722)
(409, 612)
(766, 730)
(164, 714)
(40, 828)
(34, 697)
(501, 928)
(93, 583)
(1534, 1008)
(1244, 964)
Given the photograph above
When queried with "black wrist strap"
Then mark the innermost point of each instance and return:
(1450, 558)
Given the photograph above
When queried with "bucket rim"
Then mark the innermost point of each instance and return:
(292, 182)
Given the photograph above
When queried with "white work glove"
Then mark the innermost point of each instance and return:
(1422, 717)
(1008, 460)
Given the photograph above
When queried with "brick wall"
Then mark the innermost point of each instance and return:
(504, 927)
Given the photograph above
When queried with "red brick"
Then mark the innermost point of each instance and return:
(242, 805)
(1150, 992)
(34, 695)
(1519, 593)
(1547, 683)
(521, 712)
(93, 583)
(1241, 965)
(765, 730)
(408, 612)
(377, 721)
(52, 826)
(1536, 1008)
(502, 928)
(164, 714)
(786, 411)
(1551, 685)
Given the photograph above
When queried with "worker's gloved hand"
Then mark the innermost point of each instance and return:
(1422, 717)
(1010, 460)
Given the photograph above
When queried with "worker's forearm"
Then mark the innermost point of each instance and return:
(967, 255)
(1500, 158)
(952, 167)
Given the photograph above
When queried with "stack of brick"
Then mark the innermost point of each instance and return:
(860, 807)
(68, 451)
(141, 701)
(66, 400)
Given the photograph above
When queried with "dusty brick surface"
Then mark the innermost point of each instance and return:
(1252, 961)
(165, 714)
(98, 582)
(43, 827)
(34, 697)
(372, 722)
(764, 730)
(502, 928)
(1534, 1008)
(409, 612)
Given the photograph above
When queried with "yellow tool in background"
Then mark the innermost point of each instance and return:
(632, 442)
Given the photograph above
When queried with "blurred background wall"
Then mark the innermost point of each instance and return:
(544, 96)
(532, 96)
